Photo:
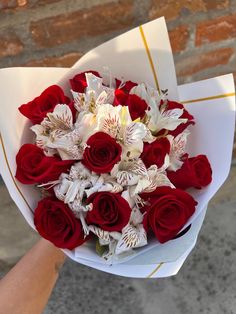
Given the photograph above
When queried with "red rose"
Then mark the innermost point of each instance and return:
(37, 109)
(102, 153)
(186, 115)
(168, 210)
(195, 172)
(125, 87)
(34, 167)
(121, 98)
(78, 83)
(55, 222)
(155, 152)
(137, 106)
(111, 212)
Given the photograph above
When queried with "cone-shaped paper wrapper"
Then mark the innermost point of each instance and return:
(141, 55)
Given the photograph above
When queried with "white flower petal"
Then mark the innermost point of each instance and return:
(132, 237)
(177, 150)
(126, 195)
(134, 133)
(61, 117)
(101, 234)
(136, 217)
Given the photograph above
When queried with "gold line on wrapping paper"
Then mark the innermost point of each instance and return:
(187, 102)
(155, 270)
(11, 174)
(207, 98)
(149, 57)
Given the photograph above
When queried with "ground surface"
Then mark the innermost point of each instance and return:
(206, 283)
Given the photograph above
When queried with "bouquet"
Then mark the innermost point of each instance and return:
(113, 162)
(117, 162)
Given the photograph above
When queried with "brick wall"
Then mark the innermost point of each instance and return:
(58, 32)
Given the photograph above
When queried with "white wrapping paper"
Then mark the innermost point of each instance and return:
(142, 54)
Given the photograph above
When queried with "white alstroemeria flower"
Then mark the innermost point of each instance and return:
(154, 178)
(95, 94)
(110, 184)
(136, 217)
(60, 118)
(85, 124)
(129, 172)
(72, 187)
(105, 183)
(133, 234)
(158, 118)
(69, 146)
(56, 125)
(106, 238)
(157, 178)
(81, 182)
(149, 138)
(177, 150)
(132, 237)
(116, 122)
(109, 120)
(126, 195)
(43, 137)
(147, 93)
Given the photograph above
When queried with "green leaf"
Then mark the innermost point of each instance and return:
(100, 249)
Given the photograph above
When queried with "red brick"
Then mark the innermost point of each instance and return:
(62, 61)
(196, 63)
(216, 4)
(38, 3)
(215, 30)
(179, 38)
(100, 19)
(10, 45)
(171, 9)
(43, 2)
(9, 4)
